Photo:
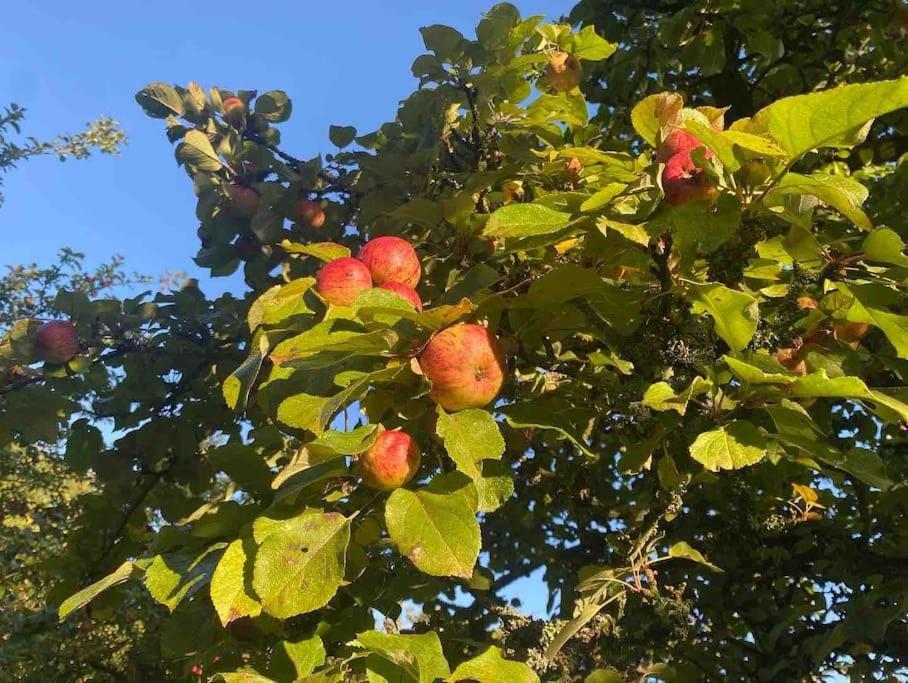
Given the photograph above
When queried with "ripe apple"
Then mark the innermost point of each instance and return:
(340, 281)
(234, 110)
(244, 199)
(466, 366)
(676, 142)
(391, 259)
(404, 292)
(563, 73)
(684, 181)
(851, 333)
(309, 213)
(56, 342)
(391, 461)
(573, 168)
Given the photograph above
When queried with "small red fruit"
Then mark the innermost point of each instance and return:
(466, 366)
(684, 181)
(340, 281)
(244, 199)
(404, 292)
(391, 462)
(391, 259)
(676, 142)
(56, 342)
(573, 168)
(309, 213)
(234, 110)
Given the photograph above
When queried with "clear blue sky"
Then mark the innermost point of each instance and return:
(68, 62)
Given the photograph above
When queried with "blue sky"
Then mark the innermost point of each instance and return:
(69, 62)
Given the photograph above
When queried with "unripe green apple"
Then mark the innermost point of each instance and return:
(234, 111)
(391, 461)
(563, 72)
(404, 292)
(755, 173)
(56, 342)
(308, 213)
(683, 181)
(391, 259)
(340, 282)
(466, 366)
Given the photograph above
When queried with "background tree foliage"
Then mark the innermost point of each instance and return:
(702, 439)
(102, 135)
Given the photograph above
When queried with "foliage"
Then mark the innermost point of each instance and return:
(103, 135)
(701, 438)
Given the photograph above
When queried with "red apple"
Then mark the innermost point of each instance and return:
(309, 213)
(404, 292)
(234, 110)
(340, 281)
(676, 142)
(391, 461)
(684, 181)
(465, 364)
(573, 168)
(391, 259)
(244, 199)
(563, 73)
(56, 342)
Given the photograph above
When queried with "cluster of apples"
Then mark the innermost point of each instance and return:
(464, 362)
(682, 179)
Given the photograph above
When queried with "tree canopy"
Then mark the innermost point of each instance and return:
(674, 230)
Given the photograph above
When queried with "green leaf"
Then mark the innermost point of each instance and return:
(280, 303)
(884, 246)
(833, 118)
(292, 660)
(298, 476)
(324, 251)
(228, 591)
(842, 193)
(525, 220)
(734, 313)
(661, 397)
(868, 306)
(438, 532)
(160, 100)
(604, 676)
(413, 657)
(820, 385)
(652, 112)
(238, 385)
(587, 44)
(196, 151)
(341, 135)
(494, 487)
(683, 549)
(470, 436)
(760, 369)
(300, 564)
(244, 675)
(602, 197)
(728, 145)
(553, 413)
(78, 600)
(446, 42)
(729, 447)
(491, 667)
(314, 413)
(274, 105)
(173, 576)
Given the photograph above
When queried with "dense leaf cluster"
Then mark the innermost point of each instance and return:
(701, 440)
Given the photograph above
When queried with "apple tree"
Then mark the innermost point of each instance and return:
(662, 366)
